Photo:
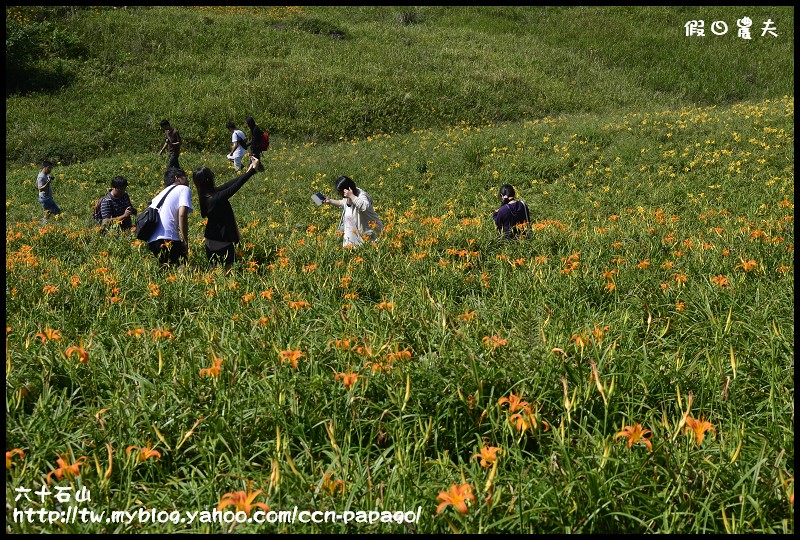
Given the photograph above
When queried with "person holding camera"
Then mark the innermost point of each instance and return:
(359, 221)
(115, 207)
(512, 216)
(44, 183)
(221, 232)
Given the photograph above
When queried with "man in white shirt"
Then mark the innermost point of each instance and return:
(170, 240)
(238, 145)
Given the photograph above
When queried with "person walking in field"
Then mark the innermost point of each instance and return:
(170, 240)
(44, 183)
(115, 207)
(221, 232)
(238, 145)
(259, 140)
(359, 221)
(172, 144)
(513, 214)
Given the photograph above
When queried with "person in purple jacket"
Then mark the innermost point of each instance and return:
(221, 232)
(513, 214)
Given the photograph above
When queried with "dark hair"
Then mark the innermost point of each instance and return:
(165, 124)
(171, 173)
(46, 163)
(230, 125)
(507, 191)
(119, 182)
(345, 182)
(203, 179)
(250, 122)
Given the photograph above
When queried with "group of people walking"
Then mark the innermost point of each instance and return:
(169, 242)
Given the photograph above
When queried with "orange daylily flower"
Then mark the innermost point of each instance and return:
(330, 485)
(721, 281)
(243, 501)
(467, 315)
(247, 297)
(267, 294)
(212, 371)
(457, 496)
(158, 334)
(343, 344)
(11, 453)
(135, 332)
(291, 356)
(399, 355)
(488, 455)
(298, 304)
(70, 471)
(385, 305)
(348, 379)
(145, 452)
(49, 289)
(47, 333)
(635, 434)
(494, 342)
(699, 427)
(526, 420)
(514, 402)
(83, 356)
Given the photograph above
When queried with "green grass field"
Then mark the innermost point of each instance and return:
(628, 368)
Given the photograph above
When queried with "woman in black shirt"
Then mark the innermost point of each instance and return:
(222, 232)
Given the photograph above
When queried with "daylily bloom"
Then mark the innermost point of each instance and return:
(405, 354)
(135, 332)
(494, 342)
(721, 281)
(243, 501)
(330, 485)
(298, 304)
(157, 334)
(467, 315)
(526, 420)
(83, 356)
(699, 427)
(49, 289)
(457, 496)
(11, 453)
(514, 402)
(348, 379)
(145, 452)
(212, 371)
(343, 344)
(267, 294)
(292, 356)
(70, 471)
(385, 305)
(635, 434)
(488, 455)
(47, 333)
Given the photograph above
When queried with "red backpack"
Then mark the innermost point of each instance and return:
(264, 143)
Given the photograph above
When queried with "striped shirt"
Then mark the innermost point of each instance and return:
(111, 207)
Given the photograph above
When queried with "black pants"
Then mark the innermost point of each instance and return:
(173, 160)
(169, 251)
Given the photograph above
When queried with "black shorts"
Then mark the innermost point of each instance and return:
(225, 255)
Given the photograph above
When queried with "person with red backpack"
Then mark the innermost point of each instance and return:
(259, 140)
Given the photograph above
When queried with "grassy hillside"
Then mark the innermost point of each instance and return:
(628, 368)
(323, 73)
